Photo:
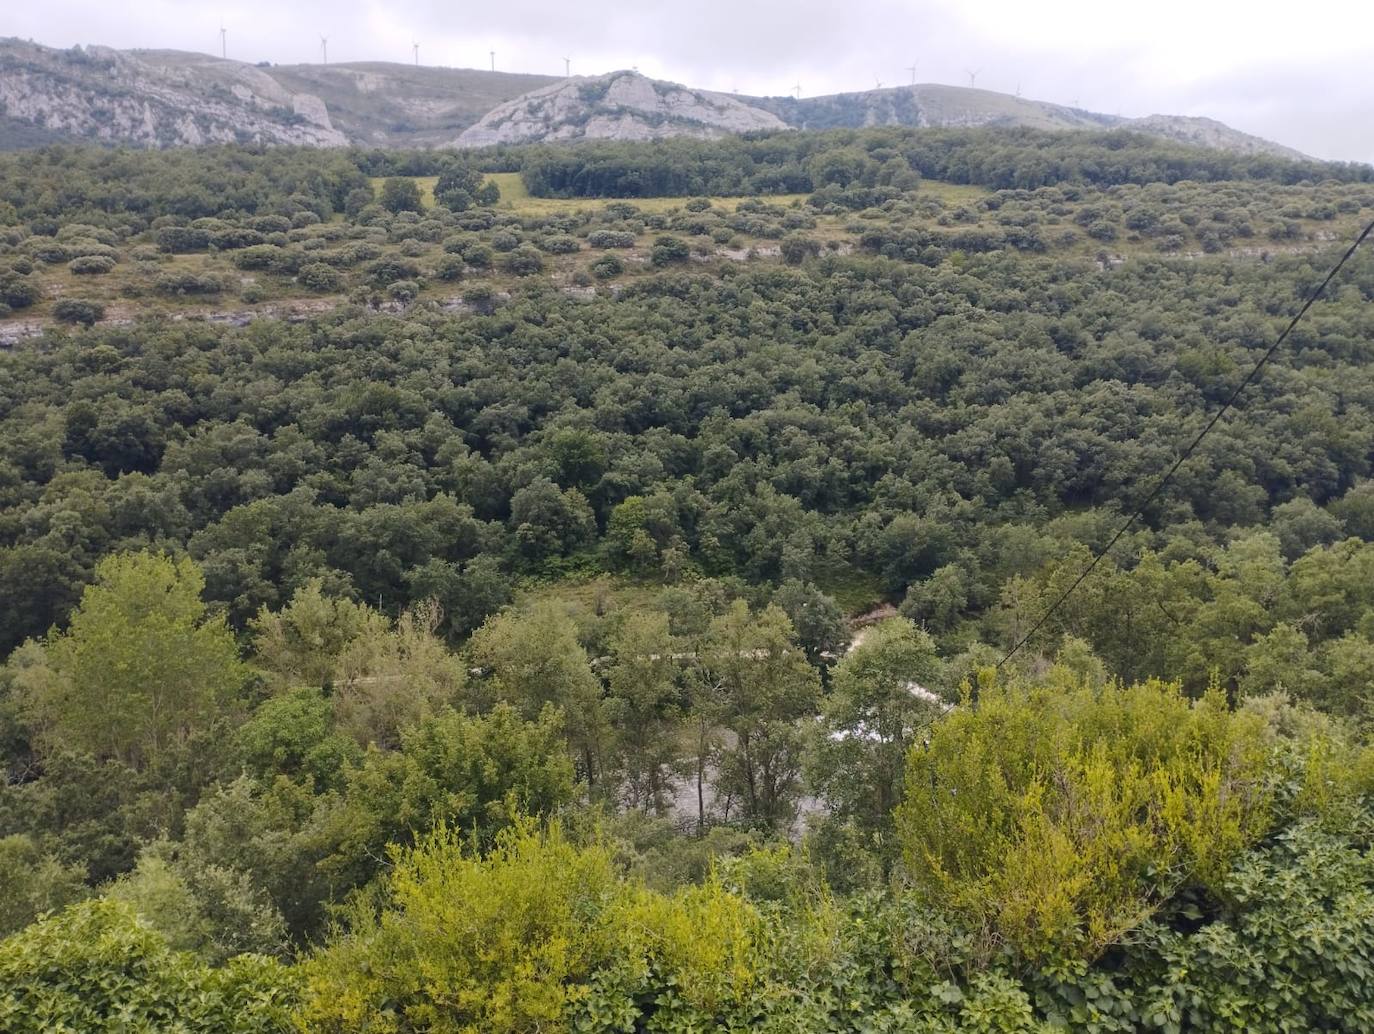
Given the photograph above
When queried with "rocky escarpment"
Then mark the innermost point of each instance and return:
(619, 106)
(167, 98)
(126, 97)
(934, 105)
(1207, 132)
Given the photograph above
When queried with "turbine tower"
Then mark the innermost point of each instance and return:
(797, 90)
(416, 47)
(493, 60)
(912, 70)
(324, 50)
(972, 76)
(877, 83)
(567, 68)
(223, 41)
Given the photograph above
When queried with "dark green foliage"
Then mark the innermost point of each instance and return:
(523, 261)
(179, 240)
(232, 238)
(668, 250)
(91, 265)
(560, 244)
(460, 188)
(400, 195)
(75, 310)
(803, 162)
(318, 276)
(450, 268)
(607, 266)
(189, 283)
(17, 291)
(389, 270)
(796, 249)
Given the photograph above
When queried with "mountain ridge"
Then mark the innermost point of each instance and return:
(167, 98)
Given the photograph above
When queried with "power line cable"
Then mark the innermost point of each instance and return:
(1163, 482)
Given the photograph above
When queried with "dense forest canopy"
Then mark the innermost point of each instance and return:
(562, 589)
(786, 163)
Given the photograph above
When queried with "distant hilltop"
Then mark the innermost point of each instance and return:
(168, 98)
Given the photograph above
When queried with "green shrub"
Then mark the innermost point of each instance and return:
(524, 261)
(235, 237)
(668, 250)
(317, 276)
(560, 244)
(96, 967)
(401, 195)
(610, 239)
(74, 310)
(450, 268)
(607, 266)
(18, 292)
(189, 283)
(478, 256)
(541, 934)
(268, 257)
(496, 944)
(1058, 818)
(796, 249)
(389, 270)
(33, 881)
(180, 240)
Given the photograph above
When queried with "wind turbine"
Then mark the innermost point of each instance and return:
(223, 41)
(493, 60)
(878, 83)
(324, 49)
(912, 70)
(797, 90)
(567, 68)
(416, 47)
(972, 76)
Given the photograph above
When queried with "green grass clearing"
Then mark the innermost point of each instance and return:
(516, 198)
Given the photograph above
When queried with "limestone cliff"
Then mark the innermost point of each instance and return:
(618, 106)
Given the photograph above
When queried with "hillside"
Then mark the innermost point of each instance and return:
(163, 98)
(618, 106)
(166, 98)
(933, 105)
(155, 99)
(688, 587)
(394, 105)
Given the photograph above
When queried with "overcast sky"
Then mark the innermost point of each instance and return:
(1301, 73)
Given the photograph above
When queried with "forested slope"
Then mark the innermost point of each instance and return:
(479, 649)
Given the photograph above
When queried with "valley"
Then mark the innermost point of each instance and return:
(647, 582)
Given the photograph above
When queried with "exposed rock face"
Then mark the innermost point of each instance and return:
(934, 105)
(619, 106)
(1206, 132)
(128, 97)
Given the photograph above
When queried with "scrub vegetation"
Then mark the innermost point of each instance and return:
(563, 589)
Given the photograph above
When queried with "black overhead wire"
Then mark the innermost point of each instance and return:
(1183, 457)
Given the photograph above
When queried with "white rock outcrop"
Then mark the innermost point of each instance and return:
(618, 106)
(134, 98)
